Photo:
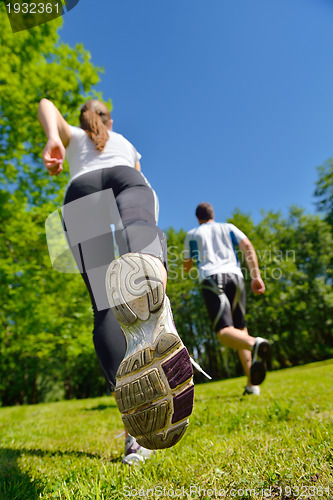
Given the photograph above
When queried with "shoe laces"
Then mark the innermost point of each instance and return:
(198, 367)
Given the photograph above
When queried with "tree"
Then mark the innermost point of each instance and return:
(296, 310)
(324, 190)
(46, 350)
(35, 64)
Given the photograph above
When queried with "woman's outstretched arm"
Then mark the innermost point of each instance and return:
(58, 135)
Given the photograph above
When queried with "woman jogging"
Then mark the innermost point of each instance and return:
(154, 388)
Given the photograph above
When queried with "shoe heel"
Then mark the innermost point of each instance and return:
(260, 355)
(134, 287)
(264, 350)
(155, 395)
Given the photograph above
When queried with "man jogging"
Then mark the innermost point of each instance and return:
(212, 247)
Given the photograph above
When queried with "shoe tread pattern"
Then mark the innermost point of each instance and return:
(164, 439)
(135, 362)
(178, 369)
(140, 391)
(183, 404)
(131, 293)
(154, 417)
(149, 412)
(141, 359)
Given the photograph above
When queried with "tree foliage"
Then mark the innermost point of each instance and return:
(296, 310)
(45, 321)
(324, 190)
(46, 347)
(35, 64)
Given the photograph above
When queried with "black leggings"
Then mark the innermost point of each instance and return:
(95, 202)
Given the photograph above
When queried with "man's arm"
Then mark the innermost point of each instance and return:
(257, 284)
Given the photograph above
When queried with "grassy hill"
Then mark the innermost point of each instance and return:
(278, 445)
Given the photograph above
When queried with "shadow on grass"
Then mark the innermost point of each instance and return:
(15, 484)
(18, 485)
(101, 407)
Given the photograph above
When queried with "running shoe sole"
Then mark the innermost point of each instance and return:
(260, 355)
(154, 390)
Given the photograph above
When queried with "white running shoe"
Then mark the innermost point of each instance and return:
(154, 390)
(254, 389)
(134, 453)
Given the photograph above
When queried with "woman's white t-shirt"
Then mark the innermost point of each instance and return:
(82, 155)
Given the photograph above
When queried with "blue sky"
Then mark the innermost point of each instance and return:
(228, 101)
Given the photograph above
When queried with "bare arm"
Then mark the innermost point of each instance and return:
(58, 135)
(52, 121)
(257, 284)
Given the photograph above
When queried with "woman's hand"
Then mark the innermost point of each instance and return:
(54, 155)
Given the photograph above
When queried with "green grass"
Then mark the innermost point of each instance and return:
(279, 442)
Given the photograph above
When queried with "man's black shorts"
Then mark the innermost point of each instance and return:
(225, 299)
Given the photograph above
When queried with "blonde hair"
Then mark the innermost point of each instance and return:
(94, 120)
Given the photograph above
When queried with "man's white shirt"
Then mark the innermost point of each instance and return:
(213, 246)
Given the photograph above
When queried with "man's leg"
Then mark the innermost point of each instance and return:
(253, 366)
(235, 338)
(246, 359)
(224, 295)
(241, 341)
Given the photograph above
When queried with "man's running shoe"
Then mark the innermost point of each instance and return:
(253, 389)
(134, 453)
(260, 353)
(154, 390)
